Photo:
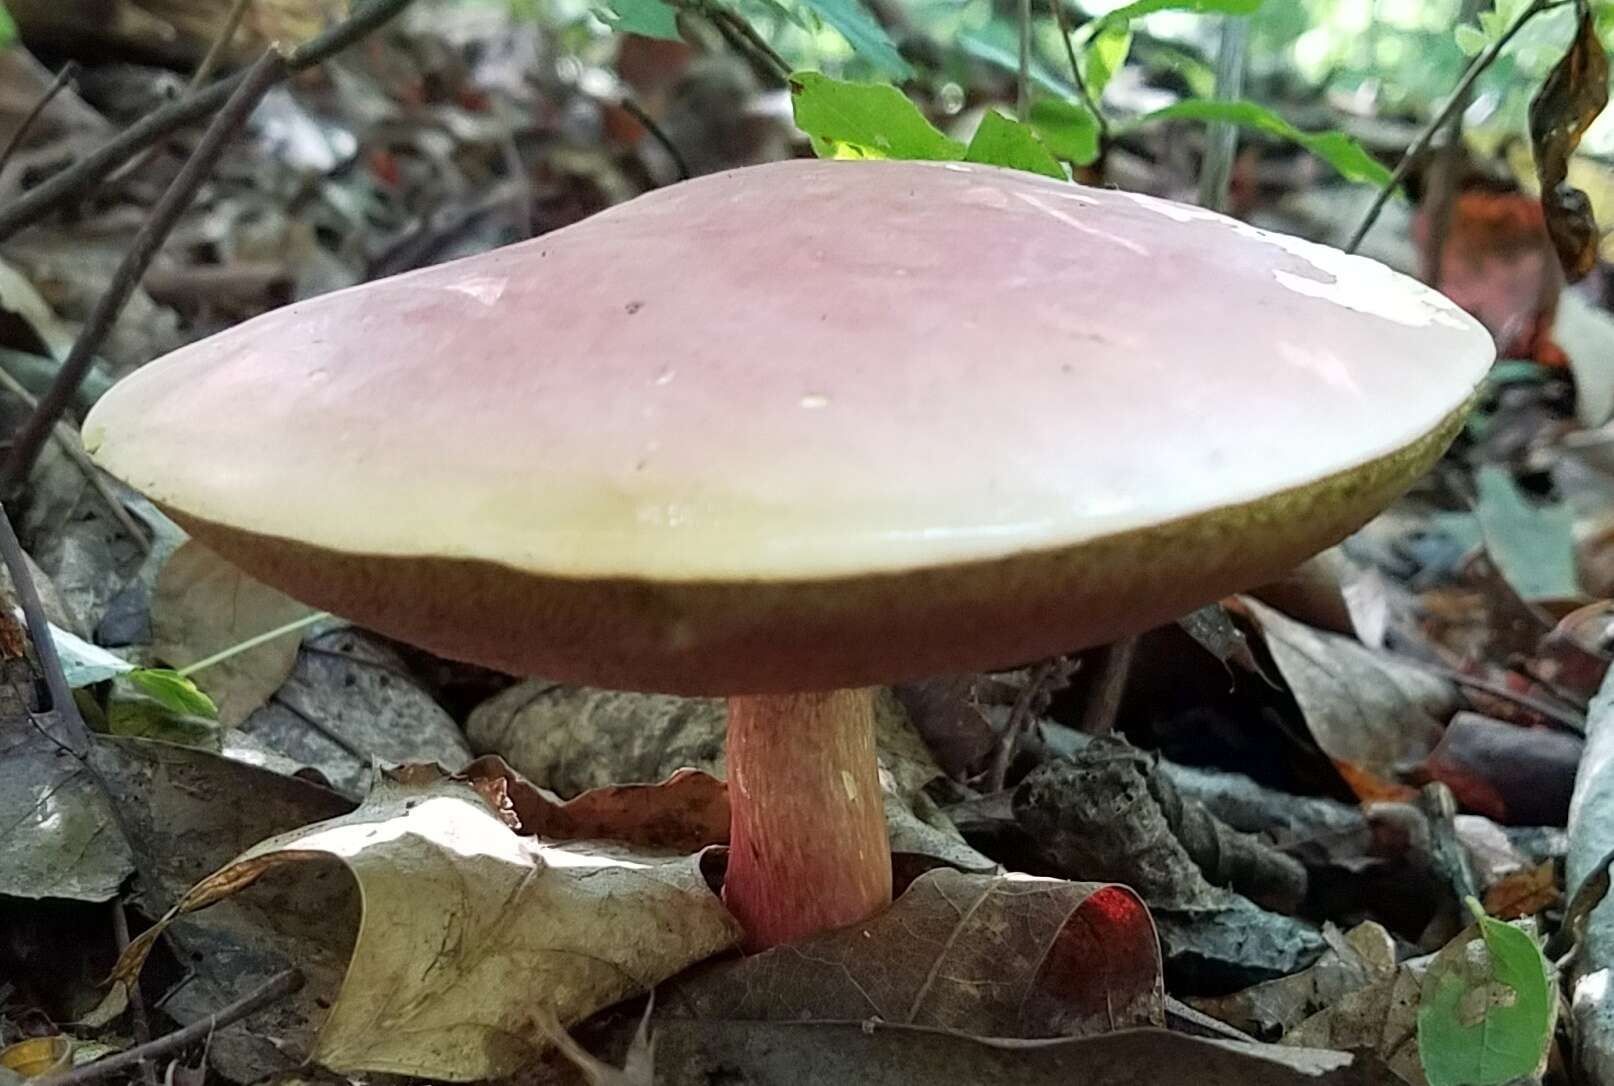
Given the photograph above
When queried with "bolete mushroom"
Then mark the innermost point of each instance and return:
(784, 433)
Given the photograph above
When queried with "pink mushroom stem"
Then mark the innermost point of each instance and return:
(808, 849)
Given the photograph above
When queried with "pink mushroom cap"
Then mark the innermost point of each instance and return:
(807, 426)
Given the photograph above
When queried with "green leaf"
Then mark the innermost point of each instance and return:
(863, 33)
(1335, 148)
(1139, 8)
(1533, 546)
(1068, 129)
(865, 120)
(8, 28)
(1471, 40)
(647, 18)
(172, 691)
(1104, 56)
(1486, 1012)
(1002, 142)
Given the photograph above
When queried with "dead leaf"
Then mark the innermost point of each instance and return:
(1104, 818)
(59, 837)
(1524, 893)
(1011, 956)
(468, 926)
(699, 1053)
(1354, 960)
(350, 700)
(203, 605)
(1370, 713)
(1380, 1020)
(1574, 93)
(684, 813)
(1514, 775)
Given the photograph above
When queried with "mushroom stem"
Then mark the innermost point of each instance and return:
(807, 845)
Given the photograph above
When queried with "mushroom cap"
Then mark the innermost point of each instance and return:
(807, 425)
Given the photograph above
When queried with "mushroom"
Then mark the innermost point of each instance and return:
(787, 432)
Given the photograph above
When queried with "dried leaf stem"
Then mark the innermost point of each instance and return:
(1453, 106)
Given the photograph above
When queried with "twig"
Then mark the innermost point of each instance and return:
(1441, 191)
(33, 612)
(269, 70)
(1022, 95)
(275, 989)
(637, 112)
(1076, 78)
(210, 62)
(57, 85)
(137, 999)
(94, 167)
(1021, 716)
(67, 436)
(1109, 685)
(1221, 138)
(215, 52)
(1452, 107)
(742, 36)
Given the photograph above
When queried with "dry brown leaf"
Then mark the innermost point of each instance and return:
(203, 605)
(467, 927)
(684, 813)
(1524, 893)
(1370, 713)
(1011, 956)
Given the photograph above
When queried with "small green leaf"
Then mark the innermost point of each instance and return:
(1002, 142)
(1471, 40)
(1533, 546)
(865, 120)
(1068, 129)
(1335, 148)
(1104, 56)
(647, 18)
(1486, 1012)
(1139, 8)
(863, 33)
(8, 28)
(172, 691)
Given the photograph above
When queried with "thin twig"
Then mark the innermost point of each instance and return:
(742, 36)
(1221, 138)
(67, 436)
(221, 43)
(57, 85)
(1453, 105)
(1021, 717)
(204, 71)
(33, 613)
(1022, 93)
(137, 999)
(637, 112)
(1109, 686)
(89, 171)
(1076, 77)
(275, 989)
(269, 70)
(1441, 192)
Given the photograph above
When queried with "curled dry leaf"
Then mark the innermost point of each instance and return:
(1512, 774)
(1574, 93)
(467, 927)
(1370, 713)
(204, 604)
(1011, 956)
(684, 813)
